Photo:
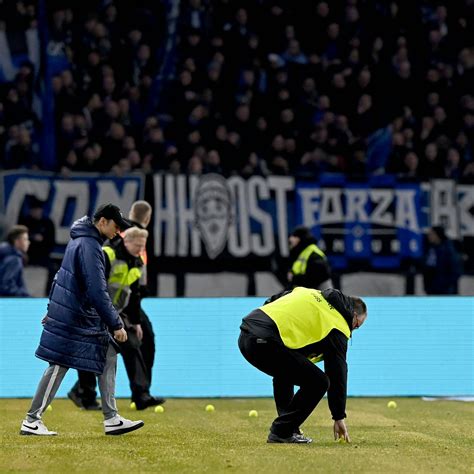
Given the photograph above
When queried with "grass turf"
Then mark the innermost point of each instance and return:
(417, 436)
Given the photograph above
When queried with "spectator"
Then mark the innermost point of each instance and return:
(431, 165)
(41, 233)
(293, 67)
(453, 166)
(42, 237)
(442, 264)
(12, 254)
(410, 169)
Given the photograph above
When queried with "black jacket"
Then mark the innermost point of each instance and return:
(333, 346)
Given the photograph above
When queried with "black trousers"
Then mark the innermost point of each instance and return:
(288, 368)
(85, 387)
(136, 370)
(148, 344)
(135, 366)
(138, 360)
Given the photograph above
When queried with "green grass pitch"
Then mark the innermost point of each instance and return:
(415, 437)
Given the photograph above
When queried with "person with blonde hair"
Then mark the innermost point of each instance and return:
(125, 269)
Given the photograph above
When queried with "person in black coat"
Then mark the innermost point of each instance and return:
(442, 264)
(80, 323)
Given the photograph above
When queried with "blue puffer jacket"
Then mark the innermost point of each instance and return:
(75, 333)
(11, 271)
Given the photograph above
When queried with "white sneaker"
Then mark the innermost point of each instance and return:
(119, 425)
(36, 428)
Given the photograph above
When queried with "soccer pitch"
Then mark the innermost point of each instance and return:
(416, 436)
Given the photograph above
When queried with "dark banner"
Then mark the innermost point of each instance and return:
(381, 222)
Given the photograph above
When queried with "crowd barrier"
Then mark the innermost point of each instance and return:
(409, 346)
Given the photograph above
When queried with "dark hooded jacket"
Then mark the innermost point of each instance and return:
(80, 312)
(11, 272)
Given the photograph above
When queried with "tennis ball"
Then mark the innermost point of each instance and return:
(133, 406)
(210, 408)
(392, 404)
(340, 440)
(159, 409)
(49, 408)
(253, 413)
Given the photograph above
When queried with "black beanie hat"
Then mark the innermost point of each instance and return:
(302, 233)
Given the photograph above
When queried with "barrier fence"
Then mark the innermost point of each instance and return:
(409, 346)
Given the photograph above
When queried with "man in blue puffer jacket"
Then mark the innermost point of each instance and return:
(79, 321)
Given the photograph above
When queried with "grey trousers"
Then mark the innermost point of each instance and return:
(54, 375)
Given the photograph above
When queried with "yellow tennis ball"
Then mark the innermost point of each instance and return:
(341, 440)
(253, 413)
(133, 406)
(210, 408)
(159, 409)
(392, 404)
(49, 408)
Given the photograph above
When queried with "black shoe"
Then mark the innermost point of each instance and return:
(143, 403)
(294, 438)
(299, 434)
(92, 406)
(75, 398)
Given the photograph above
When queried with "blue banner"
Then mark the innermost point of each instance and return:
(66, 199)
(380, 222)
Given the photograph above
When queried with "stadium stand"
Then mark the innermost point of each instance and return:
(262, 87)
(322, 91)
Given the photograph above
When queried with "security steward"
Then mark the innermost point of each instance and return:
(309, 266)
(124, 267)
(140, 216)
(286, 337)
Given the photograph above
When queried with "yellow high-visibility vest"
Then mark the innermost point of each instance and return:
(120, 280)
(299, 267)
(304, 317)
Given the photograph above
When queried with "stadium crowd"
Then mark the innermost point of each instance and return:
(259, 87)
